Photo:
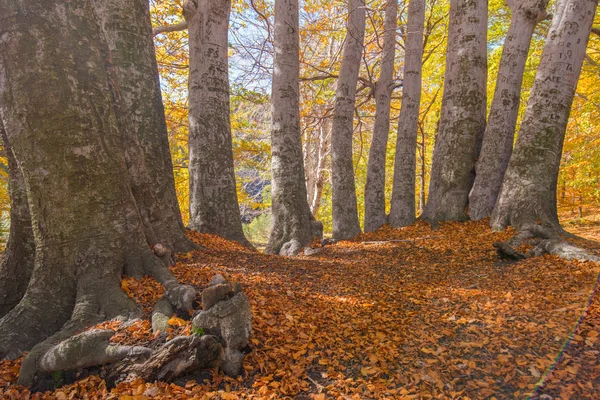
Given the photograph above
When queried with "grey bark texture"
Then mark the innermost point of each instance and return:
(375, 216)
(344, 207)
(226, 314)
(18, 257)
(127, 31)
(291, 228)
(214, 204)
(402, 207)
(528, 194)
(315, 171)
(500, 130)
(57, 103)
(463, 113)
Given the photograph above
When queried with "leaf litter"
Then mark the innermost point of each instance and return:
(395, 314)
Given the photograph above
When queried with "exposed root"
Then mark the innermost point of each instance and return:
(88, 349)
(545, 241)
(177, 357)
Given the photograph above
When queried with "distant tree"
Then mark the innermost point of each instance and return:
(214, 204)
(500, 130)
(463, 112)
(18, 257)
(375, 216)
(527, 200)
(292, 222)
(402, 209)
(344, 207)
(64, 114)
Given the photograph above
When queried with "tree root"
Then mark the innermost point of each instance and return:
(545, 241)
(89, 349)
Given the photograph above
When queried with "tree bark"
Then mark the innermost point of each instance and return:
(315, 171)
(402, 209)
(57, 101)
(500, 130)
(375, 216)
(127, 31)
(214, 204)
(463, 113)
(528, 194)
(291, 226)
(344, 208)
(18, 257)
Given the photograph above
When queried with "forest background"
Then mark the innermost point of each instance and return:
(322, 31)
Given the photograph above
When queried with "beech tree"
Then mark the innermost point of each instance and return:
(18, 257)
(133, 75)
(292, 221)
(499, 133)
(344, 208)
(402, 208)
(214, 204)
(462, 120)
(66, 119)
(527, 200)
(375, 216)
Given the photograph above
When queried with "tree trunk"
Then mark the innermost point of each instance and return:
(127, 30)
(500, 130)
(345, 211)
(58, 108)
(291, 226)
(315, 170)
(463, 113)
(375, 216)
(214, 204)
(528, 194)
(402, 210)
(18, 257)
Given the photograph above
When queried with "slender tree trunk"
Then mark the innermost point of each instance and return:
(345, 211)
(422, 172)
(402, 210)
(463, 113)
(500, 130)
(214, 204)
(323, 151)
(127, 30)
(528, 194)
(375, 216)
(18, 257)
(291, 226)
(57, 103)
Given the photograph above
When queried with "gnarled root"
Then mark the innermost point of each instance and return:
(546, 241)
(177, 357)
(89, 349)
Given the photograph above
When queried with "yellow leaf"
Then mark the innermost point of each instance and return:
(177, 321)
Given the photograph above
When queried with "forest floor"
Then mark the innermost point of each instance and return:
(405, 313)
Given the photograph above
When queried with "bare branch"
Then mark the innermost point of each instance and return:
(170, 28)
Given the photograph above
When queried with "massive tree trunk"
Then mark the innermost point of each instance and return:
(528, 195)
(18, 257)
(345, 211)
(402, 209)
(463, 113)
(375, 216)
(59, 112)
(291, 226)
(214, 204)
(500, 130)
(127, 30)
